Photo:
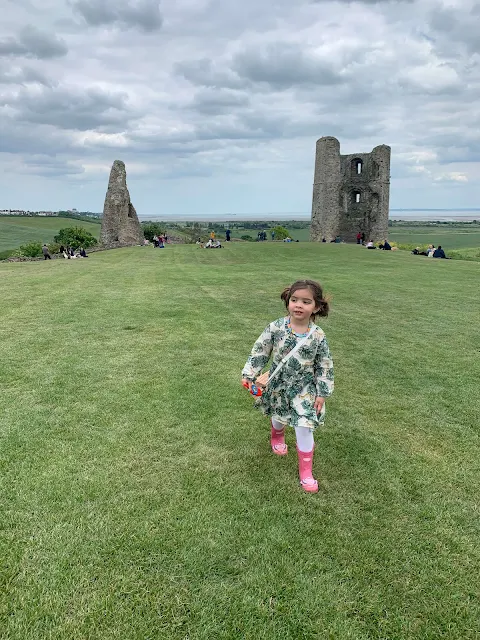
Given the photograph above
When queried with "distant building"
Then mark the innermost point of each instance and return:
(350, 193)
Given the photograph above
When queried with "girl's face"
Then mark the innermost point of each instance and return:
(302, 305)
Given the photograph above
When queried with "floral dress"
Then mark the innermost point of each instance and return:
(290, 397)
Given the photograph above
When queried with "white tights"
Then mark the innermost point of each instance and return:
(304, 436)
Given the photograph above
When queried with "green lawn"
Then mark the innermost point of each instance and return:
(448, 237)
(15, 231)
(139, 498)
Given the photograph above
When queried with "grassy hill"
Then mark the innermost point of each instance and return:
(449, 237)
(15, 231)
(140, 499)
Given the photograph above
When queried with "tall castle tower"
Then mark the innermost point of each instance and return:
(350, 193)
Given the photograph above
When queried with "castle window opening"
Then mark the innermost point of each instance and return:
(356, 196)
(356, 167)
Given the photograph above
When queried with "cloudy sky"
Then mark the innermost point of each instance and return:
(215, 105)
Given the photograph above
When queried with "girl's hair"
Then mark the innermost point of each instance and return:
(316, 290)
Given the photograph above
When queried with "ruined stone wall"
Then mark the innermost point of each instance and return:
(120, 223)
(351, 194)
(326, 189)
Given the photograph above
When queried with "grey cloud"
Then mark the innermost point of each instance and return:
(79, 110)
(33, 43)
(19, 138)
(283, 66)
(205, 72)
(460, 27)
(47, 166)
(143, 14)
(278, 66)
(363, 1)
(211, 102)
(25, 75)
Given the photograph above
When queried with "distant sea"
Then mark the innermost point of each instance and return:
(395, 214)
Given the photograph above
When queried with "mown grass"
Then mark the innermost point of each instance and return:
(139, 498)
(448, 237)
(15, 231)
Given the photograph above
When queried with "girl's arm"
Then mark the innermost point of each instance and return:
(323, 367)
(259, 356)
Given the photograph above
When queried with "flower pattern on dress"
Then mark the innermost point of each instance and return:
(306, 375)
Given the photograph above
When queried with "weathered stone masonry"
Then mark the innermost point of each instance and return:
(350, 193)
(120, 222)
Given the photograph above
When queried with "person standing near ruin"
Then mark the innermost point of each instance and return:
(227, 235)
(301, 374)
(359, 238)
(46, 253)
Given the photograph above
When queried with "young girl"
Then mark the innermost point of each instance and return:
(296, 395)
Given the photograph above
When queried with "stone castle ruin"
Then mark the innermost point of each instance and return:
(120, 224)
(350, 193)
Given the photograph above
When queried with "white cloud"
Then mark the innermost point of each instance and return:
(228, 99)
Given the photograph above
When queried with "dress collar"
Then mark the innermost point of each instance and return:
(290, 329)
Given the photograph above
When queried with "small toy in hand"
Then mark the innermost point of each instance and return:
(254, 390)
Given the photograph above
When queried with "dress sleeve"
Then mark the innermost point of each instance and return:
(323, 368)
(259, 356)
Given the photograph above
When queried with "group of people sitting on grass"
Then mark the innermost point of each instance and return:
(211, 244)
(384, 246)
(69, 253)
(431, 252)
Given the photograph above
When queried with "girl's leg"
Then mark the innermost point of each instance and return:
(305, 447)
(277, 438)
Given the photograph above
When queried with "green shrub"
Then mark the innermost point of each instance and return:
(6, 253)
(29, 250)
(54, 247)
(247, 238)
(408, 246)
(281, 233)
(75, 237)
(151, 229)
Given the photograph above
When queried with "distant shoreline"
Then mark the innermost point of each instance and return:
(409, 215)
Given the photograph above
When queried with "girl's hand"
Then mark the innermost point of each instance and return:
(319, 402)
(246, 383)
(262, 380)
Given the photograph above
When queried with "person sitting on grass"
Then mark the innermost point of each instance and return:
(83, 253)
(386, 246)
(439, 252)
(370, 245)
(295, 395)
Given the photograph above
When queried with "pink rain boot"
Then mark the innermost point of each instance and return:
(277, 440)
(307, 481)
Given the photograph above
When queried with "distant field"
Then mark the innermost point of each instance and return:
(450, 238)
(15, 231)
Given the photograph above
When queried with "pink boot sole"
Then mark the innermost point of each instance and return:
(305, 462)
(277, 441)
(310, 485)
